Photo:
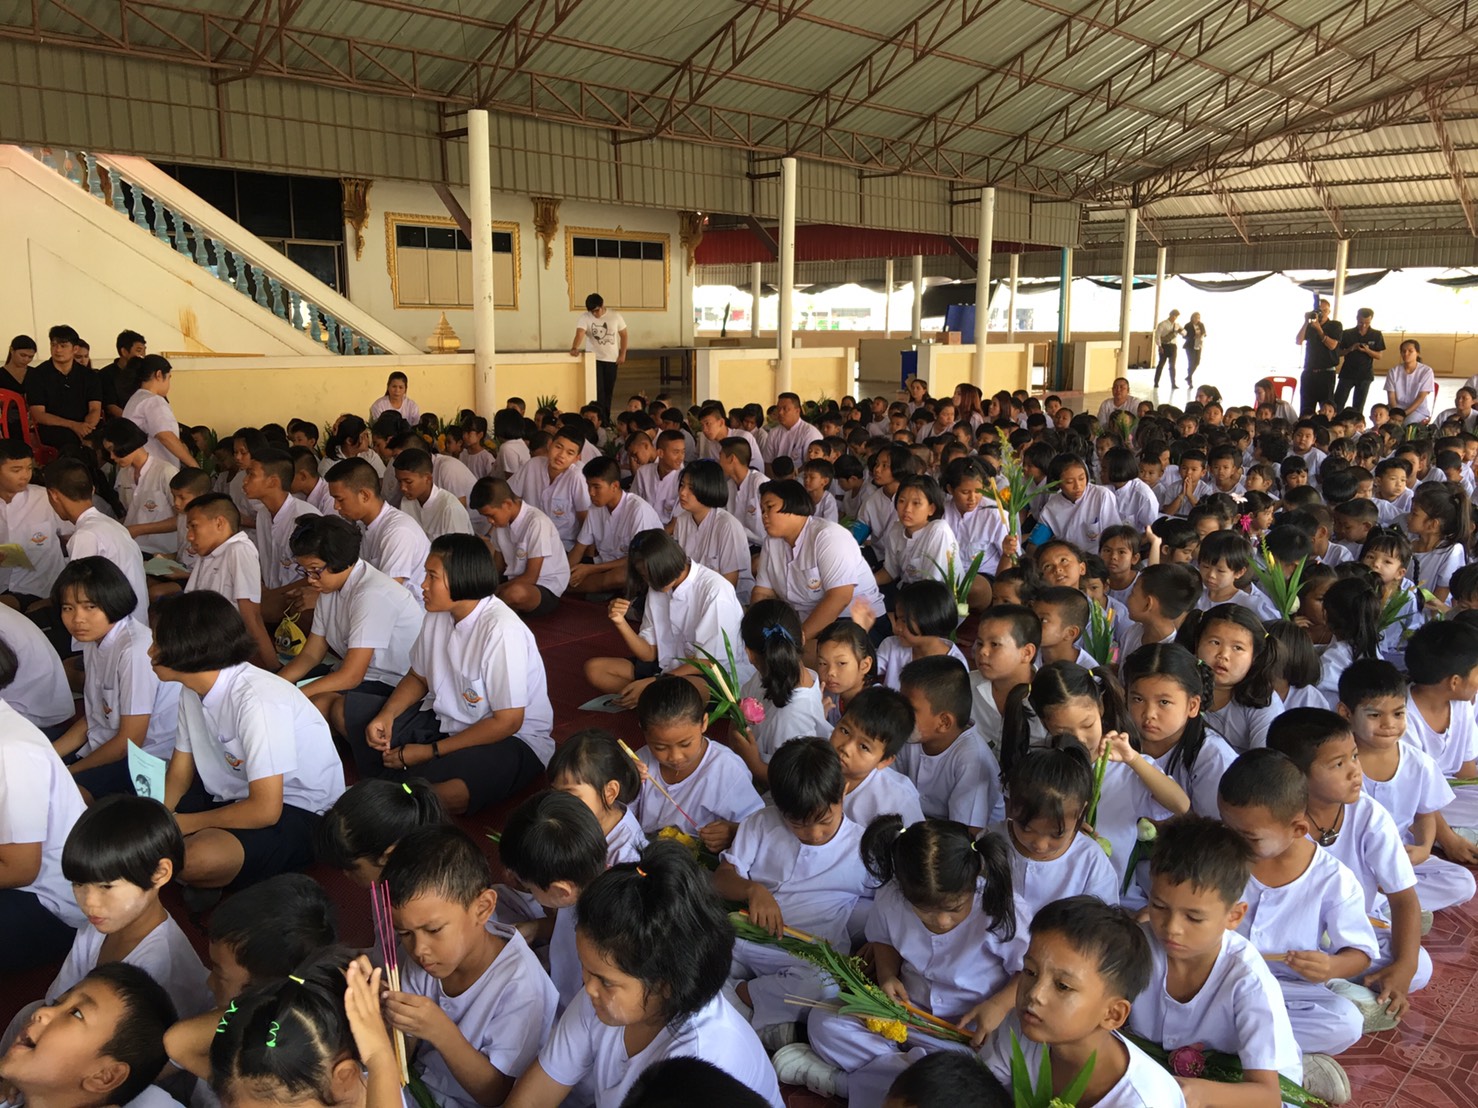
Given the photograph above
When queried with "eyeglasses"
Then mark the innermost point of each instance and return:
(313, 572)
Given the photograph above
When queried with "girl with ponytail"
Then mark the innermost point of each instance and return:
(1440, 524)
(788, 695)
(1352, 611)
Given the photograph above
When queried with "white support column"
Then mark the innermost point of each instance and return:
(985, 241)
(1131, 228)
(480, 182)
(1065, 295)
(1011, 299)
(784, 337)
(1159, 281)
(918, 298)
(1341, 268)
(755, 289)
(888, 299)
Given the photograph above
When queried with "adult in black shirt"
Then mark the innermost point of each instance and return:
(64, 398)
(1359, 347)
(114, 380)
(1319, 336)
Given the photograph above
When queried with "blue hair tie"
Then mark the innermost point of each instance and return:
(774, 629)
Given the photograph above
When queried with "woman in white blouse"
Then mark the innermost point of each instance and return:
(149, 408)
(1410, 385)
(396, 400)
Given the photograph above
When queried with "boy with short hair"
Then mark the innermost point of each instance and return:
(1063, 613)
(393, 542)
(657, 483)
(269, 478)
(308, 484)
(1392, 494)
(557, 486)
(735, 459)
(185, 486)
(1006, 645)
(1303, 904)
(1118, 546)
(228, 564)
(1302, 445)
(949, 761)
(435, 510)
(27, 518)
(532, 560)
(1442, 661)
(816, 477)
(615, 518)
(149, 514)
(70, 489)
(1225, 465)
(1161, 598)
(872, 732)
(472, 992)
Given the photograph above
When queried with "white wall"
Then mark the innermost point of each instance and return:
(544, 319)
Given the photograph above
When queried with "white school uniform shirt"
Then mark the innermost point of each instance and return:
(506, 1015)
(482, 464)
(487, 662)
(1239, 1010)
(1417, 787)
(658, 491)
(1082, 868)
(894, 655)
(582, 1048)
(396, 546)
(236, 488)
(39, 803)
(119, 681)
(153, 502)
(182, 552)
(697, 612)
(231, 569)
(40, 691)
(719, 543)
(816, 887)
(98, 536)
(1108, 408)
(1242, 727)
(961, 782)
(409, 410)
(923, 556)
(532, 534)
(152, 414)
(1145, 1084)
(1450, 748)
(980, 530)
(825, 508)
(1337, 657)
(561, 498)
(371, 610)
(1082, 521)
(1125, 800)
(253, 724)
(625, 841)
(165, 954)
(440, 515)
(320, 499)
(454, 475)
(883, 792)
(825, 556)
(1434, 569)
(718, 788)
(1202, 782)
(744, 505)
(791, 441)
(1370, 845)
(28, 520)
(880, 516)
(709, 448)
(1408, 386)
(802, 717)
(610, 530)
(274, 542)
(1138, 504)
(951, 973)
(512, 456)
(1322, 908)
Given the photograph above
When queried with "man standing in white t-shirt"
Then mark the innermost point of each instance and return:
(601, 331)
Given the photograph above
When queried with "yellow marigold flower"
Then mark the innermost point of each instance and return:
(895, 1031)
(1005, 495)
(678, 837)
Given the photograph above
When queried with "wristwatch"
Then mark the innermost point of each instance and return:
(436, 749)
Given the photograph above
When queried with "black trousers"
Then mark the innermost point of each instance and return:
(1167, 354)
(1360, 388)
(605, 385)
(1314, 387)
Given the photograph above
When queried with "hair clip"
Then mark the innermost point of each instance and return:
(227, 1014)
(292, 977)
(776, 629)
(272, 1034)
(640, 872)
(408, 791)
(973, 847)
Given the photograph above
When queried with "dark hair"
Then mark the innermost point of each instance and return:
(1026, 628)
(440, 859)
(1369, 679)
(949, 1079)
(1439, 650)
(63, 333)
(1265, 778)
(1231, 547)
(469, 571)
(355, 474)
(1256, 689)
(707, 483)
(737, 448)
(1300, 732)
(937, 861)
(1174, 587)
(71, 479)
(1072, 604)
(1175, 663)
(1054, 782)
(199, 631)
(602, 469)
(592, 758)
(138, 1037)
(845, 631)
(806, 778)
(1387, 540)
(371, 816)
(125, 435)
(771, 631)
(1174, 533)
(793, 497)
(413, 460)
(1446, 502)
(659, 921)
(684, 1081)
(1054, 684)
(670, 700)
(552, 836)
(332, 539)
(122, 838)
(275, 926)
(883, 714)
(1105, 933)
(928, 487)
(944, 683)
(1294, 658)
(654, 560)
(1204, 852)
(1352, 609)
(99, 581)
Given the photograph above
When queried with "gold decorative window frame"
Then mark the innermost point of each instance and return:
(393, 219)
(577, 298)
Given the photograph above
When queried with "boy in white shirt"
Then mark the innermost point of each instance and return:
(868, 738)
(27, 519)
(437, 511)
(735, 457)
(70, 487)
(657, 483)
(308, 484)
(615, 517)
(269, 477)
(393, 543)
(228, 564)
(1442, 662)
(184, 487)
(956, 774)
(40, 691)
(556, 485)
(150, 517)
(531, 556)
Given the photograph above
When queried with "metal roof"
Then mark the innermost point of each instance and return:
(1218, 120)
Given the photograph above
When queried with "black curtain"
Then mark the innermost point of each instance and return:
(1355, 282)
(1231, 284)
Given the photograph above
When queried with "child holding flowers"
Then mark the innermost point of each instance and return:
(782, 700)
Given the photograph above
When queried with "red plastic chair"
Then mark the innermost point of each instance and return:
(10, 398)
(1283, 387)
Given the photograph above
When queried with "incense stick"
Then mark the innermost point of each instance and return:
(1275, 957)
(385, 936)
(657, 782)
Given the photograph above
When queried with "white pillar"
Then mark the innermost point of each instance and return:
(1159, 281)
(1011, 299)
(1065, 295)
(918, 298)
(1131, 228)
(783, 335)
(755, 289)
(1341, 267)
(984, 243)
(480, 182)
(888, 299)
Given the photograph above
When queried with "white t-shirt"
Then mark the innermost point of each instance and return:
(232, 569)
(165, 954)
(1371, 847)
(657, 489)
(1323, 908)
(926, 555)
(1082, 521)
(440, 515)
(744, 505)
(274, 542)
(152, 414)
(396, 546)
(561, 498)
(962, 782)
(120, 682)
(409, 410)
(1417, 787)
(791, 441)
(1243, 728)
(883, 792)
(27, 519)
(610, 530)
(720, 788)
(825, 556)
(98, 536)
(626, 840)
(532, 534)
(801, 718)
(1138, 504)
(1082, 869)
(1145, 1084)
(371, 610)
(719, 543)
(602, 333)
(40, 691)
(1203, 781)
(1450, 748)
(977, 531)
(1435, 568)
(893, 655)
(513, 455)
(699, 611)
(486, 663)
(253, 724)
(39, 803)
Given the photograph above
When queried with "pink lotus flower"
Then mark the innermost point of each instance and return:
(1187, 1061)
(752, 710)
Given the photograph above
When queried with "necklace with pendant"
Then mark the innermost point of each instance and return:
(1327, 836)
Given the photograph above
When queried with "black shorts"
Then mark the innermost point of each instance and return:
(641, 671)
(548, 603)
(284, 847)
(106, 780)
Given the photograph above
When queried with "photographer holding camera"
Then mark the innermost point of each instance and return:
(1319, 336)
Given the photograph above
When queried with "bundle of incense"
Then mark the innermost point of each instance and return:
(385, 938)
(655, 780)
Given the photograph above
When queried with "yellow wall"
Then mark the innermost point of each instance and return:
(742, 380)
(813, 377)
(1008, 369)
(562, 378)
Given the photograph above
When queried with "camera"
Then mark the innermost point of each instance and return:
(1311, 316)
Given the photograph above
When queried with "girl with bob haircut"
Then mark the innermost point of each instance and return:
(589, 765)
(687, 605)
(1079, 510)
(123, 701)
(396, 400)
(922, 546)
(358, 834)
(705, 529)
(484, 732)
(1233, 644)
(655, 945)
(254, 764)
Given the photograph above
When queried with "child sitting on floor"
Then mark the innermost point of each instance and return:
(787, 691)
(1064, 614)
(949, 760)
(868, 739)
(1006, 643)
